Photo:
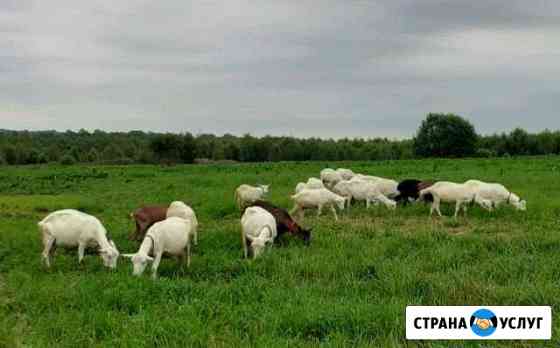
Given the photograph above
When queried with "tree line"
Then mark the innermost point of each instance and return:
(439, 135)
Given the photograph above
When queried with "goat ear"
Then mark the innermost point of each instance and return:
(128, 256)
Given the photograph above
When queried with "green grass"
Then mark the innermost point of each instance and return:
(350, 287)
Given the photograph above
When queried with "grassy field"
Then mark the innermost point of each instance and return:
(350, 287)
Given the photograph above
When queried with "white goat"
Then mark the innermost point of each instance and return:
(491, 195)
(330, 178)
(369, 192)
(317, 198)
(387, 187)
(346, 174)
(300, 187)
(314, 183)
(246, 194)
(170, 236)
(258, 228)
(366, 177)
(449, 192)
(326, 171)
(342, 188)
(71, 228)
(311, 184)
(180, 209)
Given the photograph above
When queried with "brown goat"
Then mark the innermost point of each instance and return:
(284, 222)
(145, 217)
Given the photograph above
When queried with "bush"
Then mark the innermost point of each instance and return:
(445, 135)
(171, 148)
(486, 153)
(119, 161)
(93, 155)
(67, 160)
(10, 154)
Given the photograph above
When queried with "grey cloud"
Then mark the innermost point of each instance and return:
(305, 68)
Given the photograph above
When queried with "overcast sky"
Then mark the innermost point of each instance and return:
(282, 67)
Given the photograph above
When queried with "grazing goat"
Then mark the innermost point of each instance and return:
(258, 228)
(180, 209)
(342, 188)
(246, 195)
(346, 174)
(409, 189)
(330, 177)
(145, 217)
(71, 228)
(316, 199)
(311, 184)
(387, 187)
(284, 222)
(366, 177)
(491, 195)
(449, 192)
(368, 191)
(170, 236)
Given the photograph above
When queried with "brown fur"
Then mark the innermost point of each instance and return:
(284, 222)
(145, 217)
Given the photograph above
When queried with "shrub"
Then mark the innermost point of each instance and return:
(67, 160)
(486, 153)
(445, 135)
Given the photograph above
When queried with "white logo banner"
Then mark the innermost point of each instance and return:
(478, 323)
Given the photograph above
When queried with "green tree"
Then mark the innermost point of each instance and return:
(10, 154)
(445, 135)
(165, 146)
(67, 159)
(518, 142)
(187, 149)
(93, 155)
(112, 152)
(42, 158)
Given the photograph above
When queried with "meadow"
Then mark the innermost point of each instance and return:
(350, 287)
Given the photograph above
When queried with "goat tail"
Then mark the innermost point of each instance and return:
(426, 195)
(43, 228)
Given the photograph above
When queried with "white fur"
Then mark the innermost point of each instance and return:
(450, 192)
(342, 188)
(491, 195)
(258, 227)
(246, 194)
(171, 236)
(387, 187)
(346, 174)
(71, 228)
(369, 192)
(311, 184)
(325, 172)
(180, 209)
(330, 177)
(317, 198)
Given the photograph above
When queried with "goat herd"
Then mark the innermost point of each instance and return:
(171, 229)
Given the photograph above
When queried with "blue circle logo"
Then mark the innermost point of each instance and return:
(483, 322)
